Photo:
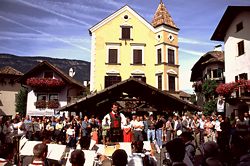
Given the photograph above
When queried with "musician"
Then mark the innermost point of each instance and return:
(77, 158)
(40, 152)
(116, 121)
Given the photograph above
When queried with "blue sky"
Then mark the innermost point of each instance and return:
(59, 28)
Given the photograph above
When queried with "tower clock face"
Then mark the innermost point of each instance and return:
(170, 37)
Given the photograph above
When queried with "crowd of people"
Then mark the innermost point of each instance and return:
(224, 135)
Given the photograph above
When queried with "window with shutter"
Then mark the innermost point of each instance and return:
(140, 78)
(113, 55)
(159, 56)
(243, 76)
(171, 83)
(111, 80)
(241, 49)
(171, 59)
(239, 27)
(159, 82)
(137, 56)
(125, 32)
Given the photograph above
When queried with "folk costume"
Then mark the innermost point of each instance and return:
(116, 122)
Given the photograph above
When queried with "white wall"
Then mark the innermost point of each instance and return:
(32, 98)
(234, 64)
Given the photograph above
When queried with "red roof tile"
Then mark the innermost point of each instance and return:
(10, 71)
(162, 17)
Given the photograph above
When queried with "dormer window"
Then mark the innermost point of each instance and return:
(48, 74)
(126, 32)
(239, 27)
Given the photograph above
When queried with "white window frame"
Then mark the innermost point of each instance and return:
(137, 47)
(113, 46)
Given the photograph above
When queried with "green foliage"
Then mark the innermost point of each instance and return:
(21, 101)
(193, 99)
(210, 107)
(208, 88)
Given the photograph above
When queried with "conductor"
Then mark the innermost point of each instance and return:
(116, 121)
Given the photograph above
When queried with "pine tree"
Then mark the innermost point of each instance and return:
(21, 101)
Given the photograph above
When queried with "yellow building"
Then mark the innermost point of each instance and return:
(125, 45)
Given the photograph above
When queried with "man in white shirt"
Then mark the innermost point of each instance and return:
(116, 122)
(202, 124)
(138, 127)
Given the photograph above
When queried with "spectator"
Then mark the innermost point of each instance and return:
(158, 126)
(85, 127)
(195, 125)
(138, 127)
(151, 128)
(40, 152)
(208, 130)
(8, 131)
(105, 130)
(211, 151)
(187, 139)
(169, 129)
(77, 158)
(70, 137)
(176, 150)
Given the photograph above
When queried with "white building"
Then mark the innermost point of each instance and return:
(234, 30)
(49, 89)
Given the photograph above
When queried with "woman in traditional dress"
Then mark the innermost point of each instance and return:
(127, 134)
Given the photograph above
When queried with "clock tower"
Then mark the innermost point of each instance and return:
(166, 48)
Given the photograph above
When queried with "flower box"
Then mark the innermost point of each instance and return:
(40, 104)
(53, 104)
(45, 83)
(226, 90)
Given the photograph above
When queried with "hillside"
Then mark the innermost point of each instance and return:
(24, 64)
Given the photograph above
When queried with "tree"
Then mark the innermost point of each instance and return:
(21, 101)
(210, 107)
(208, 89)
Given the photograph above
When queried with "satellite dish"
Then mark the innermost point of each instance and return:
(71, 72)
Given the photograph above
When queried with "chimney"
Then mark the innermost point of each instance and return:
(218, 48)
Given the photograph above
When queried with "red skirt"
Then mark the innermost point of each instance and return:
(95, 136)
(127, 137)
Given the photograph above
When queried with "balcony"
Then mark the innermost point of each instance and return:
(45, 84)
(238, 89)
